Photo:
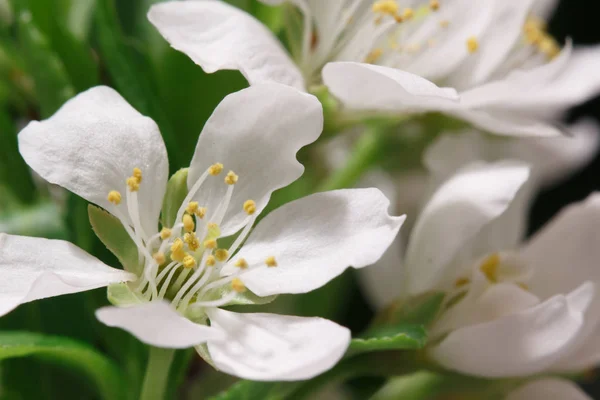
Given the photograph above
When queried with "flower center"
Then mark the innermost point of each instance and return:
(183, 263)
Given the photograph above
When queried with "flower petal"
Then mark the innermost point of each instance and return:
(551, 158)
(269, 347)
(256, 133)
(157, 324)
(91, 145)
(372, 87)
(34, 268)
(570, 79)
(218, 36)
(455, 214)
(314, 239)
(548, 389)
(565, 253)
(523, 343)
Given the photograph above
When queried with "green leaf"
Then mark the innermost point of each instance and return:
(421, 309)
(110, 231)
(105, 375)
(176, 191)
(398, 337)
(251, 390)
(52, 84)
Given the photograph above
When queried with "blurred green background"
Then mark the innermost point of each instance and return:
(53, 49)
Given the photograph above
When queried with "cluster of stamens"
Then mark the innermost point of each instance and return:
(183, 262)
(537, 36)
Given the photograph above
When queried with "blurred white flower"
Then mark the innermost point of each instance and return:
(100, 148)
(511, 309)
(505, 73)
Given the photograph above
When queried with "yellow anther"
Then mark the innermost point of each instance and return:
(215, 169)
(210, 244)
(489, 267)
(133, 183)
(192, 207)
(210, 261)
(460, 282)
(238, 285)
(373, 56)
(241, 263)
(200, 212)
(434, 5)
(271, 261)
(249, 207)
(165, 233)
(472, 44)
(523, 286)
(389, 7)
(188, 261)
(159, 258)
(114, 197)
(188, 223)
(444, 23)
(408, 13)
(221, 254)
(231, 178)
(192, 241)
(137, 174)
(177, 253)
(549, 47)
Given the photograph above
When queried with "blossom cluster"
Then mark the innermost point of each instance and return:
(481, 87)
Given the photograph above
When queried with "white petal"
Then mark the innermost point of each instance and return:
(218, 36)
(524, 343)
(33, 268)
(371, 87)
(565, 253)
(269, 347)
(551, 159)
(454, 216)
(255, 132)
(570, 79)
(314, 239)
(91, 145)
(548, 389)
(157, 324)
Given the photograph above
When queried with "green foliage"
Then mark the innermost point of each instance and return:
(68, 353)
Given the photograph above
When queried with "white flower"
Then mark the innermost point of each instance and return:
(548, 389)
(511, 309)
(100, 148)
(506, 74)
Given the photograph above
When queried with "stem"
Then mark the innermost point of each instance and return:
(362, 156)
(157, 374)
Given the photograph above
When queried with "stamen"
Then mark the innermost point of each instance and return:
(210, 244)
(221, 254)
(231, 178)
(210, 261)
(114, 197)
(472, 44)
(200, 212)
(188, 223)
(434, 5)
(192, 241)
(189, 261)
(241, 263)
(250, 207)
(177, 252)
(489, 267)
(133, 183)
(444, 23)
(216, 303)
(215, 169)
(460, 282)
(373, 56)
(192, 207)
(137, 174)
(389, 7)
(159, 258)
(271, 262)
(165, 233)
(165, 286)
(408, 13)
(238, 285)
